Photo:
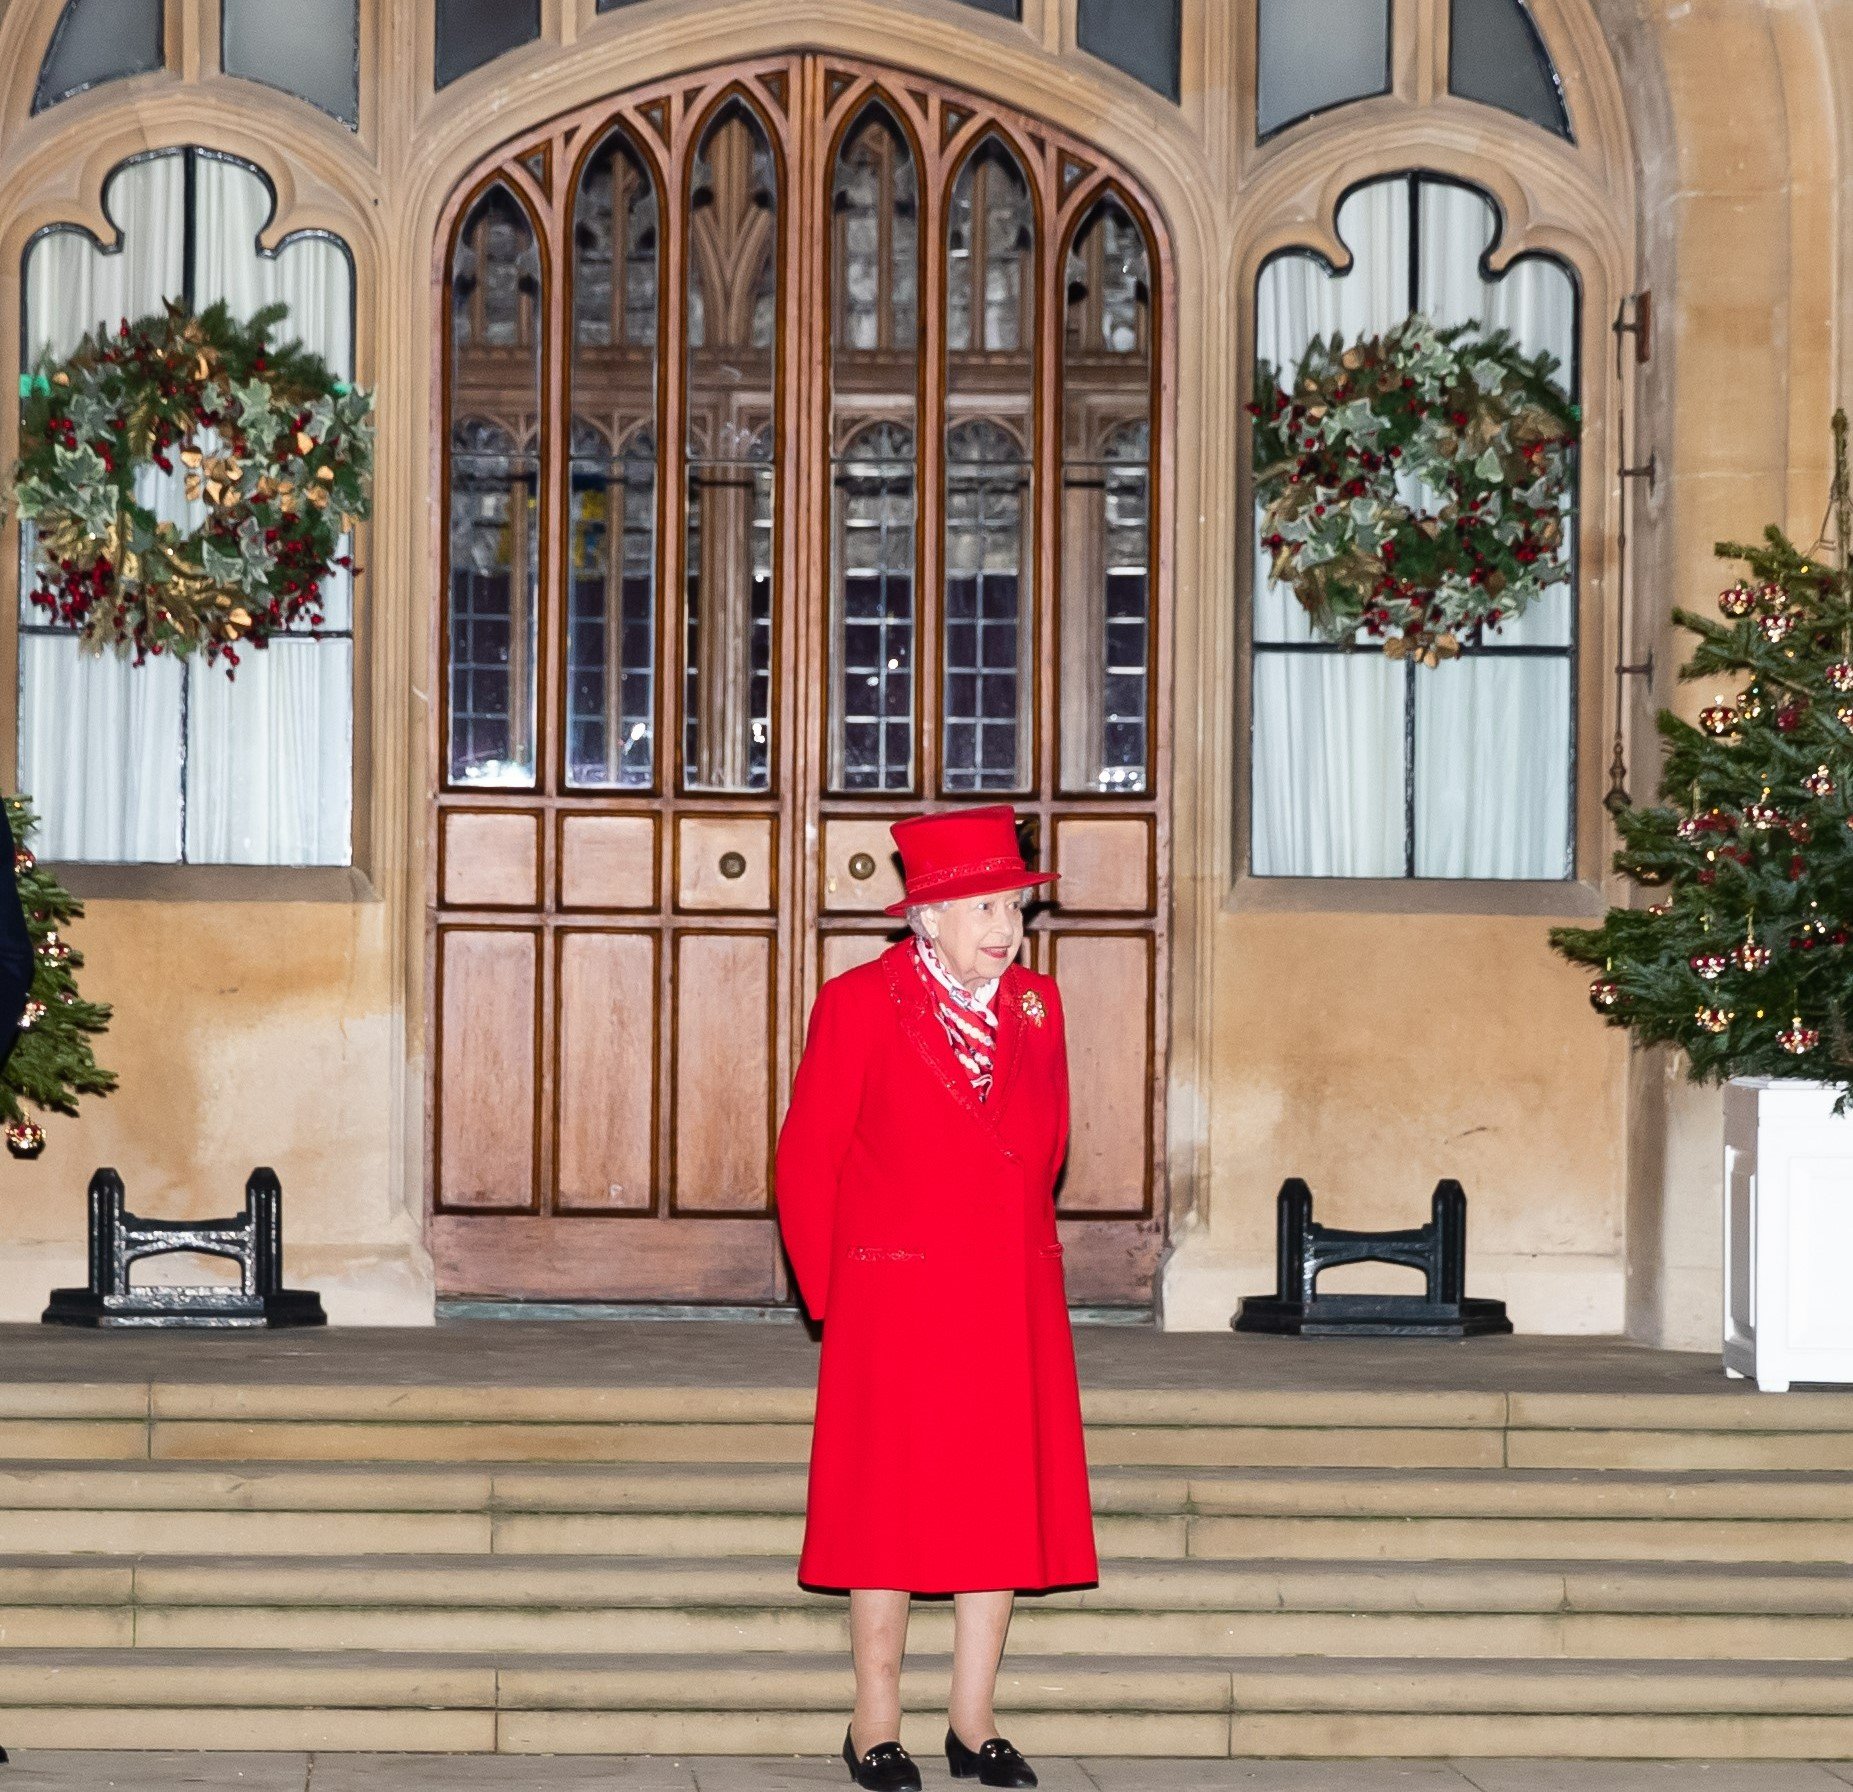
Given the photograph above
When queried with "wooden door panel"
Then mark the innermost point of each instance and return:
(840, 952)
(724, 863)
(488, 1010)
(724, 995)
(1105, 864)
(608, 861)
(607, 1257)
(490, 860)
(1106, 985)
(605, 1092)
(859, 870)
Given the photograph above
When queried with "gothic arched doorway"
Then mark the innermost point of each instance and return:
(857, 510)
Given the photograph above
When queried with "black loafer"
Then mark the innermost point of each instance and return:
(992, 1763)
(888, 1767)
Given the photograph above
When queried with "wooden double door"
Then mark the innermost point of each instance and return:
(802, 430)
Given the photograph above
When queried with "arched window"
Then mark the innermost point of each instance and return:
(495, 406)
(96, 41)
(1364, 766)
(1310, 59)
(862, 402)
(310, 48)
(167, 762)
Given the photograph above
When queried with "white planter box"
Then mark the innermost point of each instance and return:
(1788, 1233)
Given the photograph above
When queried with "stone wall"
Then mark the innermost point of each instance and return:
(1356, 1038)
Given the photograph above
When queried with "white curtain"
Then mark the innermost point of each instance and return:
(1491, 748)
(156, 763)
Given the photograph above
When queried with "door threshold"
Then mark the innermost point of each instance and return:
(456, 1307)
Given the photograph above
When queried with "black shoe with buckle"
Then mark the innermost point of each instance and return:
(992, 1763)
(888, 1767)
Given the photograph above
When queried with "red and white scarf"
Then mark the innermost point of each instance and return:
(968, 1017)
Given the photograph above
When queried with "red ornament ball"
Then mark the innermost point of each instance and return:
(1737, 600)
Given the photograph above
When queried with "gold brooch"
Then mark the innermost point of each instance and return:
(1032, 1007)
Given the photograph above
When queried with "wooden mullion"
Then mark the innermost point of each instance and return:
(930, 460)
(1047, 344)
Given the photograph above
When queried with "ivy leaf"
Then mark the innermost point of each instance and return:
(221, 567)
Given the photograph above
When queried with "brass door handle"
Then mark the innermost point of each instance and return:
(733, 864)
(861, 867)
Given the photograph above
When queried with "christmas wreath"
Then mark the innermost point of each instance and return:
(51, 1064)
(277, 449)
(1413, 484)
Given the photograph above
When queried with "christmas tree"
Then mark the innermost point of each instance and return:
(51, 1063)
(1745, 960)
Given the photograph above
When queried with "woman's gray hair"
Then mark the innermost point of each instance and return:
(914, 917)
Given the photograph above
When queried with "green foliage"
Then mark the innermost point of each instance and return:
(277, 450)
(51, 1064)
(1745, 960)
(1413, 484)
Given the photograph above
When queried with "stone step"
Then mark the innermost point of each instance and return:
(1729, 1430)
(729, 1702)
(712, 1509)
(437, 1604)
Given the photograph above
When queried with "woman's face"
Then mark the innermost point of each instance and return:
(977, 936)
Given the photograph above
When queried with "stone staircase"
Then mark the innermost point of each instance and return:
(610, 1569)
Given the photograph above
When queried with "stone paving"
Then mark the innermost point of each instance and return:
(34, 1771)
(781, 1352)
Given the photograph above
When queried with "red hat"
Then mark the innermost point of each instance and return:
(961, 852)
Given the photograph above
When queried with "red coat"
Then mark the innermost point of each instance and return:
(947, 1452)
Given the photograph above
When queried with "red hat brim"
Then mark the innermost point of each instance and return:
(980, 883)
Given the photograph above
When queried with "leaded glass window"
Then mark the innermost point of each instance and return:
(471, 33)
(1311, 58)
(731, 300)
(172, 762)
(1364, 766)
(495, 345)
(989, 615)
(874, 366)
(1106, 505)
(1142, 37)
(96, 41)
(310, 48)
(1496, 56)
(611, 643)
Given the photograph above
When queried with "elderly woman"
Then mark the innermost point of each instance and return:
(916, 1177)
